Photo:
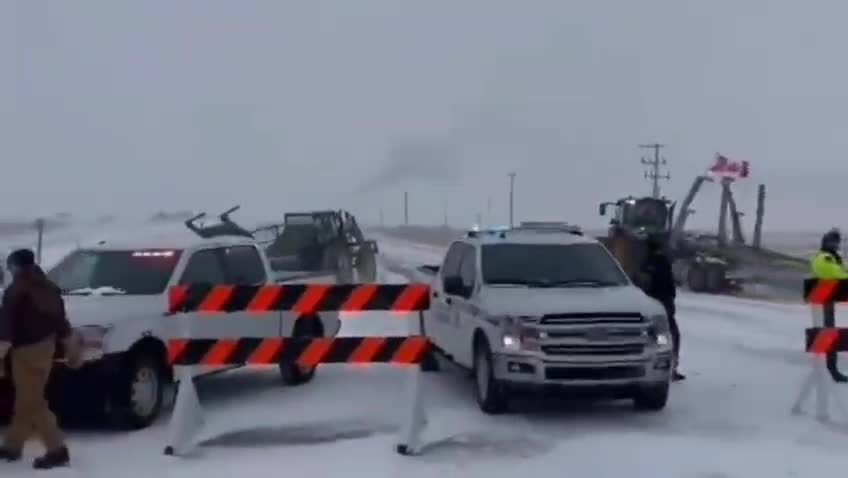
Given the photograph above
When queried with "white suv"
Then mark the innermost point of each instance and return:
(539, 307)
(116, 298)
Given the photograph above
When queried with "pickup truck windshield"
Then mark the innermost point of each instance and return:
(142, 272)
(550, 265)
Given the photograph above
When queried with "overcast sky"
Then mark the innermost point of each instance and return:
(133, 106)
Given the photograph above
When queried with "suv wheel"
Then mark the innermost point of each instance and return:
(292, 373)
(653, 398)
(137, 399)
(491, 396)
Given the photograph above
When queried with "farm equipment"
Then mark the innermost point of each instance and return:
(321, 241)
(313, 243)
(636, 220)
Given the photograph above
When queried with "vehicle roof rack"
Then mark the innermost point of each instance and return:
(227, 227)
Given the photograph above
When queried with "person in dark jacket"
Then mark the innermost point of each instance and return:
(660, 285)
(32, 320)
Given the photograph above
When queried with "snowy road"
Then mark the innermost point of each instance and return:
(730, 419)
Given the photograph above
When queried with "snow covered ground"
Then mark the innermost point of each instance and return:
(730, 419)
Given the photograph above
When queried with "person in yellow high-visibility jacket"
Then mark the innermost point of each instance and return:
(827, 263)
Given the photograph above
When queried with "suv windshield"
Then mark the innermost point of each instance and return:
(144, 272)
(550, 265)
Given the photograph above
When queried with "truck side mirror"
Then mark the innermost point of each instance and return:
(453, 285)
(602, 209)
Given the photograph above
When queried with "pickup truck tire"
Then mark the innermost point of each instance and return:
(491, 394)
(292, 373)
(651, 399)
(136, 400)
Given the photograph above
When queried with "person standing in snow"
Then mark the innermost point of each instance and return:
(659, 284)
(32, 320)
(827, 264)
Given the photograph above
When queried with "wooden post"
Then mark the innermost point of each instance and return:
(39, 227)
(758, 225)
(722, 217)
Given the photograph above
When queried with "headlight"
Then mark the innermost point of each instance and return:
(659, 323)
(516, 336)
(660, 330)
(92, 339)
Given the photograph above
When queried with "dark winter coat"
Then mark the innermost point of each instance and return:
(32, 309)
(659, 282)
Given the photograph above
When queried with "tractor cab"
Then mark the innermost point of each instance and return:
(635, 220)
(640, 217)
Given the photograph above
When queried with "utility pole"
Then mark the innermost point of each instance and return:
(511, 197)
(382, 223)
(406, 208)
(654, 164)
(488, 210)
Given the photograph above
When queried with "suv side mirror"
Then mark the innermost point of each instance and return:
(453, 285)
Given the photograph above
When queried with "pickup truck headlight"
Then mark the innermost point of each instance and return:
(660, 330)
(92, 339)
(516, 336)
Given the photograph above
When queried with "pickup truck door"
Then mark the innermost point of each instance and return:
(204, 266)
(442, 311)
(464, 320)
(244, 266)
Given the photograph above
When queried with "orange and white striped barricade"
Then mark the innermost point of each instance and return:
(198, 341)
(823, 341)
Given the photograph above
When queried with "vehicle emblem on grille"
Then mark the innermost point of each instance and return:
(597, 334)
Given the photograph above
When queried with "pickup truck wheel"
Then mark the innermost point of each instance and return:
(292, 373)
(491, 396)
(651, 399)
(137, 398)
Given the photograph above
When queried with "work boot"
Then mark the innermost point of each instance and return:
(9, 454)
(677, 376)
(52, 459)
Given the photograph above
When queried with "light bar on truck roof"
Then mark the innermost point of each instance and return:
(477, 231)
(153, 254)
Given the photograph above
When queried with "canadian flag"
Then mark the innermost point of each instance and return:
(725, 168)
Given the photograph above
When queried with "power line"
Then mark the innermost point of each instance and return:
(654, 164)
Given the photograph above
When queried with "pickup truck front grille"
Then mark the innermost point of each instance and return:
(594, 349)
(593, 318)
(593, 373)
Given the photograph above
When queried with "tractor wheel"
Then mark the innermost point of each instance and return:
(716, 278)
(695, 278)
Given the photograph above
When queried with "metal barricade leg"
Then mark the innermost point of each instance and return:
(415, 419)
(821, 378)
(187, 418)
(807, 388)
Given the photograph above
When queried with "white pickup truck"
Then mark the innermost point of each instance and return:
(116, 298)
(547, 307)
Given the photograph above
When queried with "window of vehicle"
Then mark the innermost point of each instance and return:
(141, 272)
(550, 265)
(452, 261)
(244, 266)
(468, 267)
(204, 267)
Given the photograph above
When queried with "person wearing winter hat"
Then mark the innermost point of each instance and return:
(32, 320)
(827, 264)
